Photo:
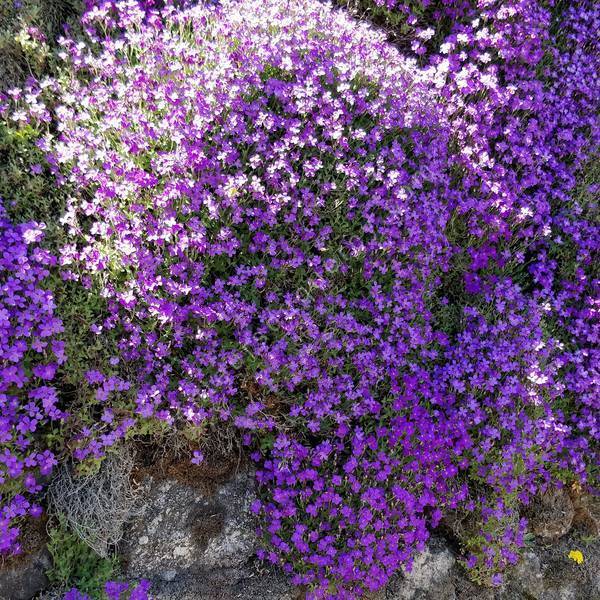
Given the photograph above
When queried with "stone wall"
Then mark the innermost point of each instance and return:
(193, 536)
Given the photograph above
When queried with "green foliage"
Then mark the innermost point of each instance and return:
(29, 190)
(396, 20)
(77, 565)
(28, 30)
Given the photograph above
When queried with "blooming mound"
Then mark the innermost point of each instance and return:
(275, 222)
(30, 352)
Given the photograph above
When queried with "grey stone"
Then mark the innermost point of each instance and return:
(196, 544)
(268, 584)
(546, 572)
(26, 577)
(564, 592)
(468, 590)
(527, 576)
(251, 583)
(429, 578)
(182, 531)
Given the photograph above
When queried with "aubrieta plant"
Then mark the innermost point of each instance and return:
(31, 351)
(379, 266)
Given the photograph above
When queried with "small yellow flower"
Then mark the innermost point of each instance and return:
(576, 555)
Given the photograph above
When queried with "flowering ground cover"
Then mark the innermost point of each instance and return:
(27, 30)
(375, 260)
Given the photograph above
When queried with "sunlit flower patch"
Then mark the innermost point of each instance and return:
(376, 265)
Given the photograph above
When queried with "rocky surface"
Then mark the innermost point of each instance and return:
(196, 541)
(182, 531)
(196, 544)
(252, 582)
(25, 577)
(429, 577)
(194, 538)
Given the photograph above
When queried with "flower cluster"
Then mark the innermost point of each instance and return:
(115, 590)
(31, 351)
(379, 268)
(520, 81)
